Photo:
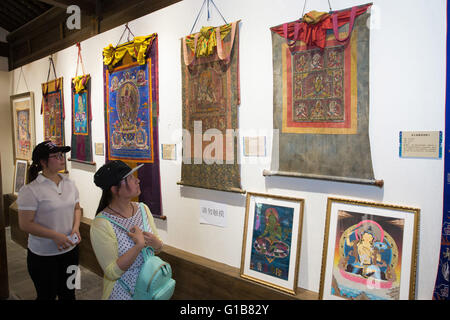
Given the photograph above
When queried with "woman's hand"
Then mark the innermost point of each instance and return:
(152, 241)
(61, 240)
(137, 236)
(77, 232)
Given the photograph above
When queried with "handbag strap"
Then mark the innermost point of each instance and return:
(112, 221)
(146, 251)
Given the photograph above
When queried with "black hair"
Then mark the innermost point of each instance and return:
(106, 198)
(34, 169)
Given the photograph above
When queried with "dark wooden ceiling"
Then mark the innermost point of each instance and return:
(16, 13)
(37, 28)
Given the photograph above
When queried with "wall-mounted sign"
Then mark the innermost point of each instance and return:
(421, 144)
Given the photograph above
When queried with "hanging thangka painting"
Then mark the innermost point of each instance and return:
(321, 97)
(131, 112)
(81, 120)
(52, 109)
(210, 95)
(442, 284)
(24, 133)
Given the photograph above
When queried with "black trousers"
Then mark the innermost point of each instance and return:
(50, 274)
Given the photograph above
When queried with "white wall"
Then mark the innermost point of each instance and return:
(407, 92)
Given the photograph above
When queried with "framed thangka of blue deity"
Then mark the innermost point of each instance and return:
(369, 251)
(272, 241)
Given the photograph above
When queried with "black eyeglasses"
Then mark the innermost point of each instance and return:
(57, 156)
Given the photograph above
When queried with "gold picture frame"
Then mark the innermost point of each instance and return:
(20, 175)
(369, 252)
(23, 125)
(272, 241)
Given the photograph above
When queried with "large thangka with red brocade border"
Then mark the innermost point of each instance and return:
(132, 110)
(210, 94)
(321, 96)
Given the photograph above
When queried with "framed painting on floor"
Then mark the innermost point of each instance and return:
(20, 175)
(272, 241)
(369, 251)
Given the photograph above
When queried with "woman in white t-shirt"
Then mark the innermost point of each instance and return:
(49, 211)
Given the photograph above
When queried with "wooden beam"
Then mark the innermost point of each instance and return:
(6, 23)
(20, 9)
(34, 6)
(4, 49)
(40, 31)
(86, 6)
(12, 15)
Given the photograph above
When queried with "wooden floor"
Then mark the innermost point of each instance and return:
(21, 287)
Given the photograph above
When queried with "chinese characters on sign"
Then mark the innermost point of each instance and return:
(213, 213)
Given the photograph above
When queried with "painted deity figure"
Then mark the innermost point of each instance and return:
(368, 257)
(52, 117)
(206, 93)
(24, 133)
(273, 228)
(80, 115)
(127, 101)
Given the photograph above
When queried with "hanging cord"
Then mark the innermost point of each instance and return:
(80, 58)
(208, 13)
(128, 36)
(219, 11)
(18, 81)
(48, 75)
(304, 6)
(54, 70)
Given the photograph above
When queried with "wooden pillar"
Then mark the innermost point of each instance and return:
(4, 285)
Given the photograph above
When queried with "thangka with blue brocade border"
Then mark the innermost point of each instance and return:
(131, 113)
(442, 285)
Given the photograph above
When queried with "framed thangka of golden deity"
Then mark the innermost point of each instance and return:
(369, 251)
(24, 134)
(272, 241)
(131, 112)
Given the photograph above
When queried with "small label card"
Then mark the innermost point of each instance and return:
(99, 149)
(213, 213)
(255, 146)
(169, 151)
(421, 144)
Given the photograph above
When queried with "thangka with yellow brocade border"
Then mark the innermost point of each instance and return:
(211, 96)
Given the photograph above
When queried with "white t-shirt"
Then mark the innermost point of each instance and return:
(54, 209)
